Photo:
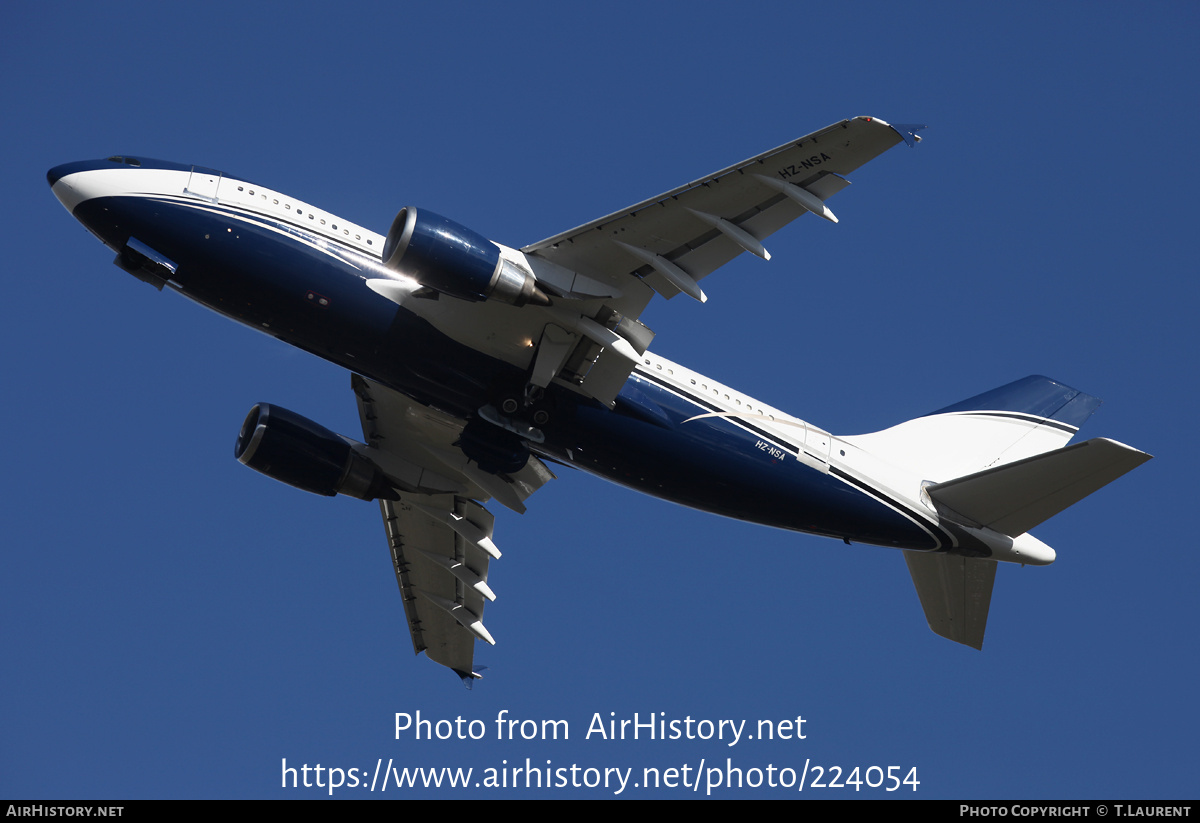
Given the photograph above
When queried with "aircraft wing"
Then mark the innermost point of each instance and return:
(439, 534)
(674, 240)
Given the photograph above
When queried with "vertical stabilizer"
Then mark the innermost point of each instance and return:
(1026, 417)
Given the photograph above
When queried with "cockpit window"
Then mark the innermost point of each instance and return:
(128, 161)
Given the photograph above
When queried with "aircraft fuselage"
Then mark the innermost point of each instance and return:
(298, 273)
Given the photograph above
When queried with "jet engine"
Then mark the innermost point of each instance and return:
(294, 450)
(450, 258)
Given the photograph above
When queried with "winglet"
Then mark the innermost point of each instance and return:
(908, 131)
(469, 678)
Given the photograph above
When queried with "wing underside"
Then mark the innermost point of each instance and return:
(439, 534)
(604, 273)
(441, 574)
(679, 237)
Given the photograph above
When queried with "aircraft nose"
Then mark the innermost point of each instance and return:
(72, 184)
(65, 193)
(57, 173)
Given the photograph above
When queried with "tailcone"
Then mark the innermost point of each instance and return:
(1024, 549)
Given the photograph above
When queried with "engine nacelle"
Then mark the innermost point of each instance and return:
(450, 258)
(294, 450)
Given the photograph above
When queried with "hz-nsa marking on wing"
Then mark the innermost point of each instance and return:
(799, 168)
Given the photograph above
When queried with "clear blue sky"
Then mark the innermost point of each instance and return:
(174, 625)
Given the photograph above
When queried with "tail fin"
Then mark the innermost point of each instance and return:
(955, 591)
(999, 468)
(1024, 418)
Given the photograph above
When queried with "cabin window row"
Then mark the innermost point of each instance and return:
(300, 213)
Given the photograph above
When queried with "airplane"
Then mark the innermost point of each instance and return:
(480, 368)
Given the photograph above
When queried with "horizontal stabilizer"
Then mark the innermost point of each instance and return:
(1015, 497)
(955, 592)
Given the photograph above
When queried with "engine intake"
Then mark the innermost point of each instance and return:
(452, 259)
(294, 450)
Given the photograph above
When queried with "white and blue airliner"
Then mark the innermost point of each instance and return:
(479, 367)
